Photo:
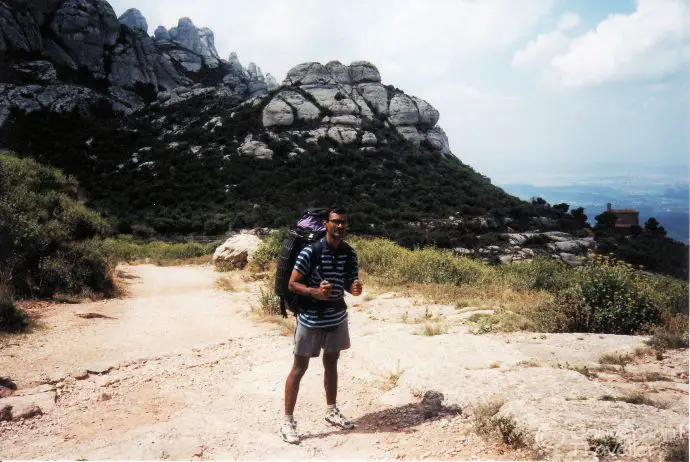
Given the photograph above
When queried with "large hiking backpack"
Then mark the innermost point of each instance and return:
(309, 230)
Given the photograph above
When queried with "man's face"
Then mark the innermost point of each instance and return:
(336, 225)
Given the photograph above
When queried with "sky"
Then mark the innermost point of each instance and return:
(526, 89)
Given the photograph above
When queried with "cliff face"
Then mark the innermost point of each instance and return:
(73, 54)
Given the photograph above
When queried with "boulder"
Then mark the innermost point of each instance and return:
(312, 73)
(376, 96)
(304, 109)
(235, 252)
(277, 113)
(334, 99)
(437, 138)
(133, 19)
(37, 71)
(161, 34)
(411, 134)
(403, 110)
(84, 30)
(342, 134)
(369, 139)
(428, 115)
(339, 72)
(364, 71)
(257, 149)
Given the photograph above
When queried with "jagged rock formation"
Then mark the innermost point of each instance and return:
(133, 19)
(88, 55)
(348, 99)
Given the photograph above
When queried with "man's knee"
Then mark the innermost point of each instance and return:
(300, 366)
(331, 359)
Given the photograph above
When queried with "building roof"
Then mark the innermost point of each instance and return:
(624, 211)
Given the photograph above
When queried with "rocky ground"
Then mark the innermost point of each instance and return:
(180, 369)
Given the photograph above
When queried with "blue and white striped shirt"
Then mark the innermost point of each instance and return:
(332, 268)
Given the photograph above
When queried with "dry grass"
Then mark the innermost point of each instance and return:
(487, 423)
(616, 359)
(285, 325)
(225, 283)
(500, 321)
(477, 296)
(635, 398)
(390, 380)
(433, 328)
(530, 363)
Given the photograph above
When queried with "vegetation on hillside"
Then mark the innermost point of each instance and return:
(645, 246)
(169, 171)
(176, 170)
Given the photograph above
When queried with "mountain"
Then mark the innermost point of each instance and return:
(72, 54)
(165, 137)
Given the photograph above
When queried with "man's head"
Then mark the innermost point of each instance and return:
(336, 222)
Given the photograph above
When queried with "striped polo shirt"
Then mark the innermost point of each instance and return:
(330, 312)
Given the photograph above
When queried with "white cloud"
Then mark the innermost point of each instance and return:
(652, 42)
(539, 52)
(568, 21)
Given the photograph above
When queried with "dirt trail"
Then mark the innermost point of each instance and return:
(179, 370)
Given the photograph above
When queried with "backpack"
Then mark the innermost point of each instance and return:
(309, 230)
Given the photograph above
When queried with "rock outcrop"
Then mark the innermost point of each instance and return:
(236, 251)
(133, 19)
(83, 44)
(351, 101)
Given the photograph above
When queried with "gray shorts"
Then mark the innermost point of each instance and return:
(309, 341)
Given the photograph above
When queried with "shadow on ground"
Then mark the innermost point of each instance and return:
(400, 419)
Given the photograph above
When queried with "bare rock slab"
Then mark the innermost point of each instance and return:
(566, 428)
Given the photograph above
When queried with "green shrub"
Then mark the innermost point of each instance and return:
(76, 267)
(269, 249)
(607, 297)
(615, 295)
(12, 319)
(542, 273)
(125, 248)
(47, 232)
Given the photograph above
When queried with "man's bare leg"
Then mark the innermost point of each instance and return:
(299, 367)
(330, 377)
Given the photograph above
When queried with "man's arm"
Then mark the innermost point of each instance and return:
(298, 286)
(354, 273)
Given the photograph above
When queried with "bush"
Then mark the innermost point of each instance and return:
(269, 249)
(12, 319)
(127, 249)
(542, 273)
(47, 232)
(608, 297)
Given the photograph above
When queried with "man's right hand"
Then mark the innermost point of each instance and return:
(323, 291)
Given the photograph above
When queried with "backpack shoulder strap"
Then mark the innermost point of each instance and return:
(315, 258)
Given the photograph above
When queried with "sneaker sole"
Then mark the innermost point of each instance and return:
(286, 440)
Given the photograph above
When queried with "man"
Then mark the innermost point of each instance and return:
(322, 319)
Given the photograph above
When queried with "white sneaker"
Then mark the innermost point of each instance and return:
(289, 432)
(335, 417)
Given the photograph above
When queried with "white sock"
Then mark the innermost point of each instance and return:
(289, 418)
(330, 407)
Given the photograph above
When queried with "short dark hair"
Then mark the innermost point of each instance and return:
(335, 209)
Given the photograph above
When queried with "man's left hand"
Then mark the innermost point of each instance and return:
(356, 288)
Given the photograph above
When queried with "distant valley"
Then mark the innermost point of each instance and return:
(658, 195)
